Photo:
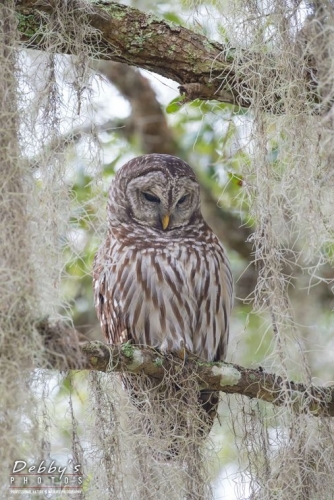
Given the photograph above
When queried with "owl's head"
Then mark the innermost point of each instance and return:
(155, 190)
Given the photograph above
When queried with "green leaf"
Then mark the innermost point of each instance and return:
(175, 105)
(172, 17)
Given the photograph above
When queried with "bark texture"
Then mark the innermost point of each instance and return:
(124, 34)
(67, 352)
(225, 377)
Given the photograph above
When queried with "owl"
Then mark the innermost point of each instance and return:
(162, 277)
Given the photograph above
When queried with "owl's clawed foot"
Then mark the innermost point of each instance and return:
(181, 354)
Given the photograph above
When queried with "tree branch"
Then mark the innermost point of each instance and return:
(147, 121)
(65, 351)
(225, 377)
(204, 68)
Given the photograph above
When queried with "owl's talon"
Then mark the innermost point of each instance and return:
(181, 354)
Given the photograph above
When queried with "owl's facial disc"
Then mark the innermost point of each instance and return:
(162, 202)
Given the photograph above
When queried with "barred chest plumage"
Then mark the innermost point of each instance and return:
(170, 291)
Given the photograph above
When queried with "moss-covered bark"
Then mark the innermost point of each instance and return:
(127, 35)
(225, 377)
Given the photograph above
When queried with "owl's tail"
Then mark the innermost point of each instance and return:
(175, 418)
(209, 402)
(192, 430)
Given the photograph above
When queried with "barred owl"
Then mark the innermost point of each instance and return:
(162, 278)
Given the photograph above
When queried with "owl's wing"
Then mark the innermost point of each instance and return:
(224, 307)
(214, 292)
(107, 306)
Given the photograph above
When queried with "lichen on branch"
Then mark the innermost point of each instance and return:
(67, 351)
(203, 67)
(225, 377)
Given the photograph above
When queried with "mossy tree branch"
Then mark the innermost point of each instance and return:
(64, 351)
(203, 68)
(130, 36)
(225, 377)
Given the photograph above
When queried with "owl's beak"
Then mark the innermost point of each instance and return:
(165, 221)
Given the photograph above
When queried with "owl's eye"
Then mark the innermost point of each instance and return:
(150, 197)
(182, 199)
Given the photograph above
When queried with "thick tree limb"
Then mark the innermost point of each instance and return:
(225, 377)
(147, 121)
(64, 351)
(202, 67)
